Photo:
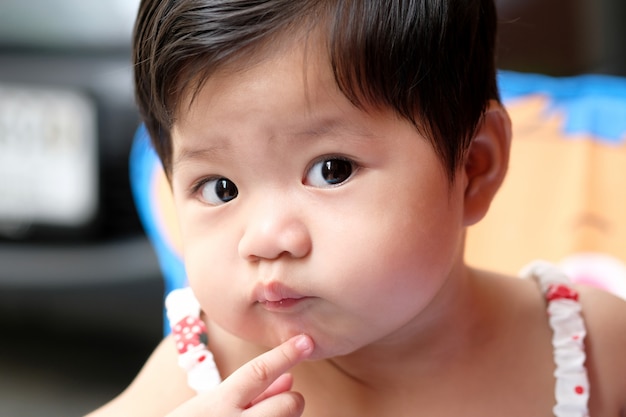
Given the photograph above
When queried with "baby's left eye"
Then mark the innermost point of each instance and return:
(217, 191)
(329, 172)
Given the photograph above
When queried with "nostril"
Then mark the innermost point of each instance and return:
(297, 241)
(275, 240)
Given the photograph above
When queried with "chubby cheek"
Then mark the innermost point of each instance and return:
(402, 255)
(220, 281)
(208, 257)
(407, 264)
(205, 274)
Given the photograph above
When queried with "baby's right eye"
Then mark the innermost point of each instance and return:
(330, 172)
(217, 191)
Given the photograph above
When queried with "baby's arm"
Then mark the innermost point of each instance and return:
(260, 387)
(160, 386)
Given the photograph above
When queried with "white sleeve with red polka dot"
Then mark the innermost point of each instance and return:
(572, 383)
(190, 335)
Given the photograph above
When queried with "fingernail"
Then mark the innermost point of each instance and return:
(304, 344)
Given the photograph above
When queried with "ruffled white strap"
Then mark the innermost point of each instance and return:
(572, 383)
(190, 335)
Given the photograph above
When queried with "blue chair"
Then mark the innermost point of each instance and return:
(153, 202)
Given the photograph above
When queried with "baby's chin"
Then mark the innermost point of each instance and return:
(324, 346)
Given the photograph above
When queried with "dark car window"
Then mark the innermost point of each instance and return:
(67, 23)
(67, 118)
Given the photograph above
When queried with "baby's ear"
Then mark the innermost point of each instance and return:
(486, 162)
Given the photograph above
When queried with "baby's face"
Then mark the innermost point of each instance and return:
(301, 214)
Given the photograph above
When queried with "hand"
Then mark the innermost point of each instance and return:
(260, 388)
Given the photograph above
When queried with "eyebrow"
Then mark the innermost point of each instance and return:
(335, 130)
(318, 129)
(328, 127)
(204, 150)
(193, 154)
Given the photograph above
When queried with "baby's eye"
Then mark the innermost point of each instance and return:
(217, 191)
(329, 172)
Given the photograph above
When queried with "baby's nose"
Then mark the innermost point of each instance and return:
(275, 228)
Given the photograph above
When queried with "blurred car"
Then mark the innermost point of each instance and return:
(71, 243)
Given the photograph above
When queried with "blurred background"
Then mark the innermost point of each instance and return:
(80, 288)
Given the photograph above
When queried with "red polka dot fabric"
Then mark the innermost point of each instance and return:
(568, 327)
(191, 339)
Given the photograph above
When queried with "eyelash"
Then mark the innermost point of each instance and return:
(353, 166)
(196, 187)
(329, 158)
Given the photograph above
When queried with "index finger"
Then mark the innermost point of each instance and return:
(253, 378)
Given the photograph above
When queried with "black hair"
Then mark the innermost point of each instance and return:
(430, 61)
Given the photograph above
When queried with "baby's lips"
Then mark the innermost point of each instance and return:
(274, 292)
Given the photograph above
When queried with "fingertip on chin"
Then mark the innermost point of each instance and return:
(305, 345)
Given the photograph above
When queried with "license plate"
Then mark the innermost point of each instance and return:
(48, 157)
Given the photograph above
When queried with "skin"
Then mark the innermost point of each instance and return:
(370, 269)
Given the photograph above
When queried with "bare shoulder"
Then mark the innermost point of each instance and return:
(605, 318)
(159, 387)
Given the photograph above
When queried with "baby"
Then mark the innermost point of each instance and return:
(326, 158)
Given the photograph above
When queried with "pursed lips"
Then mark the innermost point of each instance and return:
(277, 296)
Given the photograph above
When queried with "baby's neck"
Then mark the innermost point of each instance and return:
(469, 353)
